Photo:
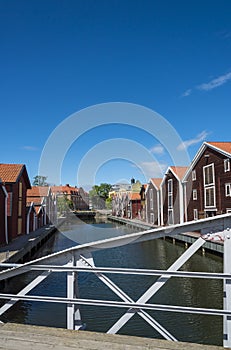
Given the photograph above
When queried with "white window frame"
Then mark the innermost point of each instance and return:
(204, 169)
(226, 165)
(170, 194)
(194, 194)
(194, 175)
(207, 189)
(228, 210)
(228, 189)
(151, 198)
(195, 214)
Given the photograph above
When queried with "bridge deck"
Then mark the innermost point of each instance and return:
(25, 337)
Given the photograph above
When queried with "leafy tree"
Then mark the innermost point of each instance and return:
(109, 203)
(40, 180)
(64, 204)
(99, 194)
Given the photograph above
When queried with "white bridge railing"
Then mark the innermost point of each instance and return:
(80, 259)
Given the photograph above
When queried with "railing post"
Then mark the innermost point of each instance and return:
(73, 312)
(227, 288)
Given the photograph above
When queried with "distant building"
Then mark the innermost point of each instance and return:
(78, 197)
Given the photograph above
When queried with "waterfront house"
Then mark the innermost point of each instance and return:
(3, 214)
(31, 223)
(82, 202)
(153, 201)
(135, 200)
(143, 202)
(207, 182)
(16, 181)
(172, 199)
(42, 196)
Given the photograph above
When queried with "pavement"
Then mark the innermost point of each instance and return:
(25, 337)
(24, 242)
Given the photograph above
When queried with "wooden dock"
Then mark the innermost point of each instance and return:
(25, 337)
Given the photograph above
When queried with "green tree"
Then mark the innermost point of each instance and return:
(99, 194)
(64, 204)
(40, 180)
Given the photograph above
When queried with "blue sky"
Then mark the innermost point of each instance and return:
(59, 57)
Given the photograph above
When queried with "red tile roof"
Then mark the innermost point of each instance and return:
(64, 189)
(179, 171)
(224, 146)
(157, 181)
(135, 196)
(38, 191)
(10, 172)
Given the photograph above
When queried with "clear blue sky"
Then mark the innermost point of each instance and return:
(60, 56)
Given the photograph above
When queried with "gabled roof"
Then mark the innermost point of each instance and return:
(135, 196)
(179, 171)
(34, 200)
(221, 147)
(64, 189)
(38, 191)
(156, 181)
(11, 172)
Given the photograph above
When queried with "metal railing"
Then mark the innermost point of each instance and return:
(80, 259)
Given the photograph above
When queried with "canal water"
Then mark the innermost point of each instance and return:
(156, 254)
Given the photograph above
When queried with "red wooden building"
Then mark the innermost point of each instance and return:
(16, 181)
(207, 182)
(153, 201)
(172, 198)
(3, 215)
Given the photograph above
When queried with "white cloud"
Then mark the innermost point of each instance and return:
(30, 148)
(199, 138)
(158, 149)
(215, 82)
(153, 169)
(187, 93)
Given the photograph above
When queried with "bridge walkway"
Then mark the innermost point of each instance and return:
(26, 337)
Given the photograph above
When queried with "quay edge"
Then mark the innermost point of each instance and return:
(186, 239)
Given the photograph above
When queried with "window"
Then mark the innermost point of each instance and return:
(209, 175)
(170, 217)
(151, 198)
(170, 194)
(194, 176)
(151, 218)
(195, 214)
(209, 183)
(228, 190)
(210, 197)
(226, 165)
(194, 195)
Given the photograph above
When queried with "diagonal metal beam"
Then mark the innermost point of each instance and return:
(158, 284)
(24, 291)
(118, 291)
